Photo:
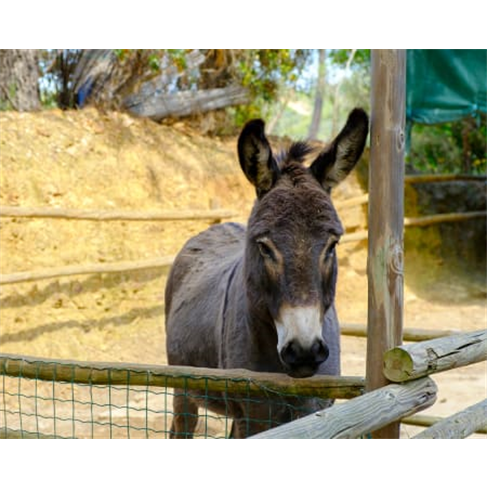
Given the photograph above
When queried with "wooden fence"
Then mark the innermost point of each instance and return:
(412, 391)
(369, 412)
(213, 216)
(410, 367)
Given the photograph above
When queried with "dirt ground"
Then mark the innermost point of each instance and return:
(93, 160)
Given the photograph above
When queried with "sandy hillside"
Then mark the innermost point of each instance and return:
(92, 160)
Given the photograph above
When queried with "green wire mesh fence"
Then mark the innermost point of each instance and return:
(45, 398)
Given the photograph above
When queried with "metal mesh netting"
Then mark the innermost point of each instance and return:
(32, 405)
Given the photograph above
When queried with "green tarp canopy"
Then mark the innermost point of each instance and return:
(444, 85)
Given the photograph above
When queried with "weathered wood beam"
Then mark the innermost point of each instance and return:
(120, 267)
(443, 218)
(385, 215)
(423, 420)
(441, 178)
(410, 334)
(235, 381)
(407, 362)
(459, 425)
(79, 214)
(352, 202)
(424, 221)
(360, 416)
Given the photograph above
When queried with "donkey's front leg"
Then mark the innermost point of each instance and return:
(185, 415)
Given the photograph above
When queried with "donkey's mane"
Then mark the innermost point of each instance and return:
(297, 152)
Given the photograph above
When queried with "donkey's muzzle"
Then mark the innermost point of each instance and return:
(301, 362)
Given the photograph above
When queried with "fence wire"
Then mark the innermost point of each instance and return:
(36, 407)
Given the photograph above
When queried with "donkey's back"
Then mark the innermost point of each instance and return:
(195, 295)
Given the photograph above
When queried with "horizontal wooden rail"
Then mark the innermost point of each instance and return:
(422, 420)
(63, 213)
(361, 415)
(119, 267)
(362, 235)
(237, 381)
(351, 202)
(443, 218)
(459, 425)
(412, 361)
(410, 334)
(442, 178)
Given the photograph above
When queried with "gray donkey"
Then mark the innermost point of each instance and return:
(262, 297)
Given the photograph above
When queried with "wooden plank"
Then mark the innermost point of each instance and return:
(424, 221)
(352, 202)
(79, 214)
(120, 267)
(423, 420)
(360, 416)
(443, 218)
(385, 241)
(237, 381)
(410, 334)
(410, 361)
(361, 235)
(412, 179)
(459, 425)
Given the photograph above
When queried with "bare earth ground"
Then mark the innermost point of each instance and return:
(92, 160)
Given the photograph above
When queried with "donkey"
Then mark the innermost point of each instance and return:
(262, 297)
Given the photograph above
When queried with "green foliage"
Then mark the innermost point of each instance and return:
(266, 73)
(455, 147)
(361, 60)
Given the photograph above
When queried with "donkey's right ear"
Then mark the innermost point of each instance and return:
(256, 157)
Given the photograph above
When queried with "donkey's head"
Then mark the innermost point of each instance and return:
(291, 265)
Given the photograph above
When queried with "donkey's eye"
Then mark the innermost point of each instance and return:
(266, 251)
(330, 249)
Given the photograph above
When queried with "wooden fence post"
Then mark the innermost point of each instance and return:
(385, 215)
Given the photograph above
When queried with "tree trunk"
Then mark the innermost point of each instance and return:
(19, 74)
(319, 98)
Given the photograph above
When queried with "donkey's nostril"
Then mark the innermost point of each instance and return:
(295, 355)
(289, 354)
(320, 351)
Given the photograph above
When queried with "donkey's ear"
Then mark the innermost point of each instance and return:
(256, 157)
(339, 158)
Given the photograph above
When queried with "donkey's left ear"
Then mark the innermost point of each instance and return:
(339, 158)
(256, 157)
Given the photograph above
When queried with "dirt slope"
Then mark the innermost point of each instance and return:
(93, 160)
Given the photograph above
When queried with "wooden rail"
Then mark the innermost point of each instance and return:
(430, 420)
(442, 178)
(459, 425)
(442, 218)
(361, 415)
(77, 214)
(119, 267)
(236, 381)
(412, 361)
(410, 334)
(424, 221)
